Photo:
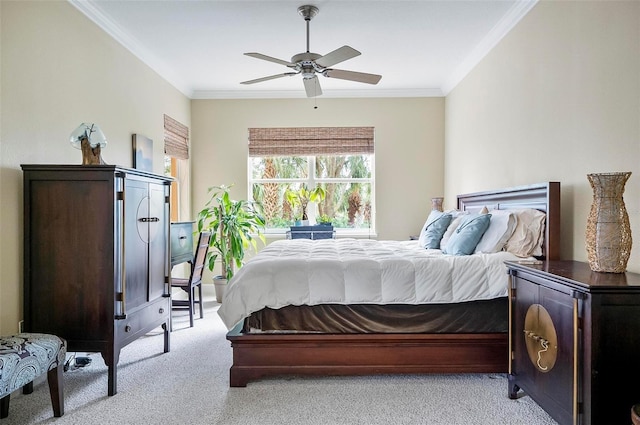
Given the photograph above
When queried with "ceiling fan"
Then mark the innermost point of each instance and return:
(310, 64)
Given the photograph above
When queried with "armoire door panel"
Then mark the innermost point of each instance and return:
(158, 237)
(136, 243)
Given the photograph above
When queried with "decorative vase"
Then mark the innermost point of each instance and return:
(436, 204)
(608, 235)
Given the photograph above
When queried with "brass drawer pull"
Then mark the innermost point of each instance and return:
(537, 323)
(543, 342)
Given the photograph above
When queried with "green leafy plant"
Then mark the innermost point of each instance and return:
(299, 199)
(324, 219)
(234, 226)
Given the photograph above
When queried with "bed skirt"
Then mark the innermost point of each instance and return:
(467, 317)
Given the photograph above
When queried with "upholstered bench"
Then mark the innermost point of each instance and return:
(26, 356)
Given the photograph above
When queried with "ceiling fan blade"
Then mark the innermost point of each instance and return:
(312, 86)
(337, 56)
(270, 59)
(270, 77)
(360, 77)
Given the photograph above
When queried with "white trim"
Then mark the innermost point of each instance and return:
(132, 44)
(497, 33)
(287, 94)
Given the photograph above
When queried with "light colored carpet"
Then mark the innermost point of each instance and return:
(190, 384)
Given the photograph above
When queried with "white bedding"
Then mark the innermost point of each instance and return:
(360, 271)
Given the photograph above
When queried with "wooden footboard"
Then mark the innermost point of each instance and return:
(261, 355)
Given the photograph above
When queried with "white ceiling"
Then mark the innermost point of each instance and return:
(421, 48)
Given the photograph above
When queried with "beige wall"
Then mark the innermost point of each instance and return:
(58, 70)
(556, 99)
(409, 137)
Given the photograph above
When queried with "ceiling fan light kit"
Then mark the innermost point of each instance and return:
(310, 64)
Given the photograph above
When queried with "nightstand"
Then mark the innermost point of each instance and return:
(574, 341)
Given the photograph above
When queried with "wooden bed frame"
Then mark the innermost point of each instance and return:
(261, 355)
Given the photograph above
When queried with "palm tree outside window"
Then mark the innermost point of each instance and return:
(340, 160)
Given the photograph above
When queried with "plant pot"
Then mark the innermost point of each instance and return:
(220, 285)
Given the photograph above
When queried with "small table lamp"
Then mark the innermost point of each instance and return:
(90, 139)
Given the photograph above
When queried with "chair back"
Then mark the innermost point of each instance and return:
(197, 267)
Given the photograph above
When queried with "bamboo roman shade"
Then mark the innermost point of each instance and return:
(176, 138)
(301, 141)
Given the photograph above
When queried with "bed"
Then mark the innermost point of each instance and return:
(376, 348)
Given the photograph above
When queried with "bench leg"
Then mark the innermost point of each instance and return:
(4, 406)
(56, 390)
(27, 388)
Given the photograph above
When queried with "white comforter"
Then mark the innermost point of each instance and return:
(356, 271)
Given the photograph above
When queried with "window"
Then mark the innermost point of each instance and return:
(176, 151)
(339, 160)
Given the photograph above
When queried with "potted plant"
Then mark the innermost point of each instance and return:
(234, 226)
(324, 220)
(299, 199)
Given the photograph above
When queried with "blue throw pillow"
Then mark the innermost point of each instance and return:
(434, 229)
(465, 238)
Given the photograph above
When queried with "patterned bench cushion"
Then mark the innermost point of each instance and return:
(25, 356)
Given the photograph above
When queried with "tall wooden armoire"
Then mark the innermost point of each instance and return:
(96, 256)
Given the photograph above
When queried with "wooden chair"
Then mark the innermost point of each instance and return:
(26, 356)
(195, 279)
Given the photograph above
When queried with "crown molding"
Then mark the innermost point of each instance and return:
(132, 44)
(292, 94)
(497, 33)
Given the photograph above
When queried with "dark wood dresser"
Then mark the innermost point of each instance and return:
(574, 339)
(96, 256)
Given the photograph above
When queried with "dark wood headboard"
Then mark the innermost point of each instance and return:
(543, 196)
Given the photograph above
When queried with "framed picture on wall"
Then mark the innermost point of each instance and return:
(142, 153)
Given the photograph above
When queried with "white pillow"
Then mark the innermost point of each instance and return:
(501, 227)
(455, 222)
(528, 236)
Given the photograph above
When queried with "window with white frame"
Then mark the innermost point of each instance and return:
(340, 160)
(176, 151)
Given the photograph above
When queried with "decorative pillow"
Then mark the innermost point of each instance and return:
(433, 229)
(501, 227)
(465, 238)
(528, 235)
(456, 219)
